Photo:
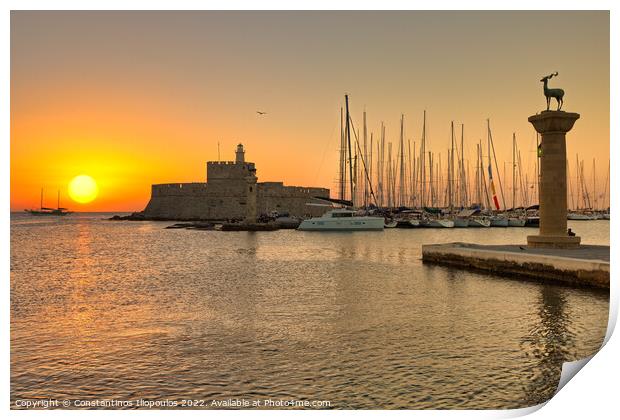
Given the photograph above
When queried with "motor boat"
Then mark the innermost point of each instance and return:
(342, 220)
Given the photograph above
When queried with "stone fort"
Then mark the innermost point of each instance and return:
(231, 192)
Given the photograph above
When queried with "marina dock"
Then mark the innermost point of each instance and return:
(587, 265)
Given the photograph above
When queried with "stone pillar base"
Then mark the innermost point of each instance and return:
(553, 241)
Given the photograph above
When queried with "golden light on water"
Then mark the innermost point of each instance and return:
(83, 189)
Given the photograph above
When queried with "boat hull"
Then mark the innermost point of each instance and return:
(460, 223)
(577, 216)
(516, 222)
(407, 224)
(479, 223)
(47, 213)
(350, 224)
(532, 222)
(437, 223)
(499, 222)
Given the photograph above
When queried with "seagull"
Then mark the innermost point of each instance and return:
(260, 112)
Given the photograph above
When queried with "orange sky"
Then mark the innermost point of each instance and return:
(135, 98)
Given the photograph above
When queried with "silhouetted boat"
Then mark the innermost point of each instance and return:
(47, 211)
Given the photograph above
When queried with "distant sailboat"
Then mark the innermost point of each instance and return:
(47, 211)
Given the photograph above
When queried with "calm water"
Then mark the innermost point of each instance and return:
(128, 310)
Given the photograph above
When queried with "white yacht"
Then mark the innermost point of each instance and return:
(342, 219)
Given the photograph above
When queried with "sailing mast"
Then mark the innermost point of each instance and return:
(514, 152)
(463, 182)
(365, 158)
(484, 181)
(342, 180)
(451, 168)
(401, 175)
(595, 201)
(348, 135)
(410, 198)
(501, 188)
(422, 163)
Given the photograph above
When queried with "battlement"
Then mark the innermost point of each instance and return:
(228, 171)
(279, 189)
(185, 188)
(221, 162)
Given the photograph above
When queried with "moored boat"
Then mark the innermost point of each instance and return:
(579, 216)
(498, 221)
(460, 222)
(516, 221)
(479, 222)
(436, 223)
(342, 219)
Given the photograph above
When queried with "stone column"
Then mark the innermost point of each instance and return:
(553, 126)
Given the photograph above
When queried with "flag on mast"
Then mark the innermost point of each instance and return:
(492, 187)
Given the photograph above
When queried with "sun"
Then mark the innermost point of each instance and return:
(83, 189)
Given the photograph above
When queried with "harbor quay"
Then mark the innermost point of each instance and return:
(587, 265)
(555, 254)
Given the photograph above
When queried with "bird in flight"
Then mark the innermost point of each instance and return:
(261, 112)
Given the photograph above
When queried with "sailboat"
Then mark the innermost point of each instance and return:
(47, 211)
(344, 219)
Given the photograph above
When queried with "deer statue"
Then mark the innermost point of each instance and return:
(558, 94)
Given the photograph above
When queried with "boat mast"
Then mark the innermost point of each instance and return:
(501, 188)
(595, 201)
(348, 134)
(537, 169)
(606, 185)
(414, 177)
(484, 180)
(579, 194)
(410, 198)
(423, 163)
(514, 152)
(342, 177)
(430, 177)
(463, 190)
(401, 175)
(451, 167)
(370, 163)
(365, 157)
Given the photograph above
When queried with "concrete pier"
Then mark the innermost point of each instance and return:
(587, 265)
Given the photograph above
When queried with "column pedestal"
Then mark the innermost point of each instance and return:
(553, 126)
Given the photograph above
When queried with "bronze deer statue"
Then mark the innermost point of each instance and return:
(558, 94)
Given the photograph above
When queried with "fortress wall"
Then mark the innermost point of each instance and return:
(194, 201)
(274, 196)
(225, 196)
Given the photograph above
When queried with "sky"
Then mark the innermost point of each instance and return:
(139, 98)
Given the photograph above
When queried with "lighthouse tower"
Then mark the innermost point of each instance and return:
(240, 154)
